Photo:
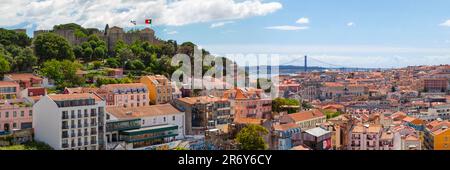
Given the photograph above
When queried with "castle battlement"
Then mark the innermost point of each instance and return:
(110, 35)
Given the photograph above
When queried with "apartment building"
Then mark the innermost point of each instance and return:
(341, 91)
(249, 103)
(15, 112)
(144, 127)
(365, 137)
(305, 119)
(317, 138)
(9, 90)
(437, 135)
(286, 136)
(205, 112)
(25, 80)
(15, 115)
(160, 89)
(70, 121)
(435, 84)
(125, 95)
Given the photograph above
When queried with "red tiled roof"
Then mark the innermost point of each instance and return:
(8, 84)
(306, 115)
(139, 112)
(62, 97)
(23, 76)
(284, 127)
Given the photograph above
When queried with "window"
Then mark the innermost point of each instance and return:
(30, 113)
(22, 113)
(164, 119)
(14, 114)
(0, 114)
(173, 118)
(14, 125)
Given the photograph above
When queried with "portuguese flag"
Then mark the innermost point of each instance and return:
(148, 21)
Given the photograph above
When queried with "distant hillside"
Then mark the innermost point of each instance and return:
(290, 69)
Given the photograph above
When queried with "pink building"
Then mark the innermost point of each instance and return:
(288, 86)
(17, 115)
(126, 95)
(25, 80)
(14, 112)
(249, 103)
(9, 90)
(366, 137)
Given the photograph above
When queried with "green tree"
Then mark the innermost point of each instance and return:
(113, 63)
(125, 54)
(94, 49)
(9, 37)
(278, 103)
(25, 60)
(50, 46)
(62, 72)
(251, 138)
(4, 66)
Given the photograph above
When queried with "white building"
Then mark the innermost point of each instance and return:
(70, 121)
(143, 127)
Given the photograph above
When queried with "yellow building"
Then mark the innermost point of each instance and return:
(159, 88)
(437, 135)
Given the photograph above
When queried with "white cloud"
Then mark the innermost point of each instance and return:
(446, 23)
(220, 24)
(350, 24)
(287, 28)
(303, 21)
(172, 32)
(97, 13)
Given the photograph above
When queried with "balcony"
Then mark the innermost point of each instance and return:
(86, 115)
(72, 126)
(73, 135)
(65, 145)
(65, 135)
(65, 117)
(72, 116)
(80, 134)
(65, 127)
(93, 124)
(251, 107)
(93, 132)
(93, 114)
(93, 142)
(80, 144)
(86, 124)
(86, 143)
(80, 116)
(80, 125)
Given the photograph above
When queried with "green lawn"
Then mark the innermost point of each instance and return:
(28, 146)
(331, 114)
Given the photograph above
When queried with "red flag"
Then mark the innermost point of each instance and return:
(148, 21)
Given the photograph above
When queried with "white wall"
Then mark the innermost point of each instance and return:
(47, 122)
(159, 120)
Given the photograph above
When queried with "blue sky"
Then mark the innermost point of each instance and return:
(354, 33)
